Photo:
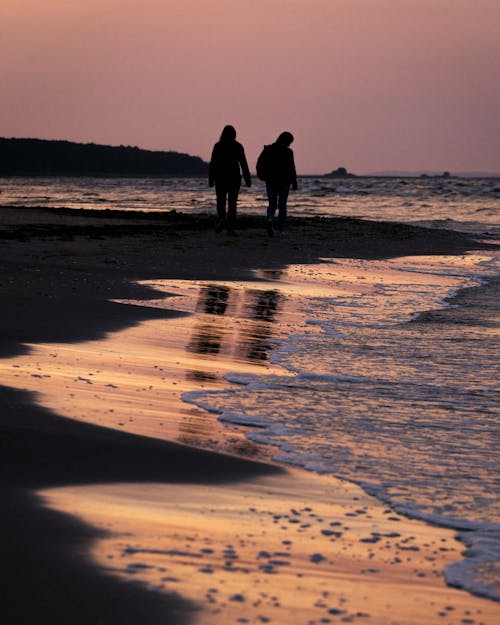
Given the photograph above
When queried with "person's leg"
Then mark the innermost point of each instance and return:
(221, 193)
(232, 200)
(282, 200)
(272, 196)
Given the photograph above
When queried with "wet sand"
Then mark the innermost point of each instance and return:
(146, 508)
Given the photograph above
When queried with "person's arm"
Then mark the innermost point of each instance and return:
(211, 167)
(244, 168)
(293, 171)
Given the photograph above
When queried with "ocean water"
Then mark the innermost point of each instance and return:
(392, 384)
(469, 204)
(397, 391)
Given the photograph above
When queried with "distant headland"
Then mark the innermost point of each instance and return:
(40, 157)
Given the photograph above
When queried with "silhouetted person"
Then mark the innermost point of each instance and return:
(227, 164)
(278, 171)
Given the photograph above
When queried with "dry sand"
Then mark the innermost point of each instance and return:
(146, 530)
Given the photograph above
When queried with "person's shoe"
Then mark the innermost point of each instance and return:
(282, 234)
(232, 233)
(219, 225)
(270, 229)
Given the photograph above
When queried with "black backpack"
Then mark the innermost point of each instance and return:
(262, 166)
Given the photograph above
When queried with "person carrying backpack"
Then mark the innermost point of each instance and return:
(227, 164)
(276, 166)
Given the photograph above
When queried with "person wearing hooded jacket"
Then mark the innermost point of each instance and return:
(227, 164)
(280, 176)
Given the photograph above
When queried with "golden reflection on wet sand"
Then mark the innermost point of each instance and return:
(134, 379)
(292, 549)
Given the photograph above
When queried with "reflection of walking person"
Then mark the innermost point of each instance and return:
(276, 166)
(224, 172)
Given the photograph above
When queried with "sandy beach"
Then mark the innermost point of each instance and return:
(123, 504)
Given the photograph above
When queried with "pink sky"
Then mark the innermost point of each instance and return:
(366, 84)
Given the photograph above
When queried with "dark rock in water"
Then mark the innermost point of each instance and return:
(340, 172)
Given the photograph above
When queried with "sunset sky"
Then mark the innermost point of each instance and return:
(367, 84)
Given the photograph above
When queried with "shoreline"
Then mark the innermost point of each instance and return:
(68, 274)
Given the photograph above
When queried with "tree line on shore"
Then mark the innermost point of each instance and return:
(43, 157)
